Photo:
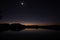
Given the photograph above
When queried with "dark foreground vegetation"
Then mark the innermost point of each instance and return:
(18, 27)
(12, 27)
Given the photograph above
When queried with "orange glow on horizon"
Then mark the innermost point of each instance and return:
(28, 24)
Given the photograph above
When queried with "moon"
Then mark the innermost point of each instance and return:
(22, 3)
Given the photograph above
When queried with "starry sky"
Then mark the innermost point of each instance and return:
(38, 12)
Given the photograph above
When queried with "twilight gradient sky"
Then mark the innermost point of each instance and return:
(32, 12)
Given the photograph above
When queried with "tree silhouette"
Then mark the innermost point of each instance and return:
(12, 27)
(17, 27)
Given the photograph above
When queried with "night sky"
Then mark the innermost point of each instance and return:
(34, 12)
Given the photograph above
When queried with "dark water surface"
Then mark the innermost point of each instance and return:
(29, 33)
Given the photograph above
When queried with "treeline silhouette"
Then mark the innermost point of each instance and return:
(12, 27)
(51, 27)
(19, 27)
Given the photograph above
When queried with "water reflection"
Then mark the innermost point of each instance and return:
(34, 29)
(30, 33)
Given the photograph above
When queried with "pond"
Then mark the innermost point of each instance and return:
(31, 33)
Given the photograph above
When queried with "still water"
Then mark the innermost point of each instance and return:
(31, 33)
